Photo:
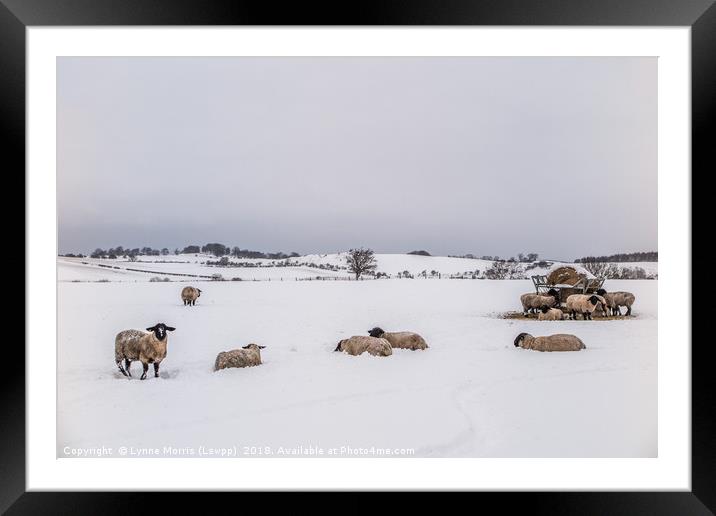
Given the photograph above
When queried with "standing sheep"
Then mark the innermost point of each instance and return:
(149, 348)
(247, 356)
(189, 295)
(359, 344)
(584, 304)
(550, 314)
(400, 339)
(532, 302)
(557, 342)
(617, 299)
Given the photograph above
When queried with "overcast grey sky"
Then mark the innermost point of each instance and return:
(452, 155)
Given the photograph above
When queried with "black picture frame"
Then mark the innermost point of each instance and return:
(700, 15)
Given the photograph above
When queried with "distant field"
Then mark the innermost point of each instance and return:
(184, 267)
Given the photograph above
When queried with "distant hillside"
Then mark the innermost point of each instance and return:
(202, 266)
(650, 256)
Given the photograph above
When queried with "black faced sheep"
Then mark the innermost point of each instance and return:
(247, 356)
(557, 342)
(359, 344)
(532, 302)
(615, 300)
(149, 348)
(584, 304)
(400, 339)
(550, 314)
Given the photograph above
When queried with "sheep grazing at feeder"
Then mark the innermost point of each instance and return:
(533, 302)
(549, 314)
(615, 300)
(584, 304)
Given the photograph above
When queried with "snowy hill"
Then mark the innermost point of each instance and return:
(324, 266)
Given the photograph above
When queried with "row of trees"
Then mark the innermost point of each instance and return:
(219, 250)
(215, 249)
(119, 251)
(612, 271)
(649, 256)
(521, 257)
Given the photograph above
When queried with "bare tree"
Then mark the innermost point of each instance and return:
(498, 270)
(602, 269)
(504, 270)
(361, 261)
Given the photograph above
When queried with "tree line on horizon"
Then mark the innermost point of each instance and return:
(215, 249)
(649, 256)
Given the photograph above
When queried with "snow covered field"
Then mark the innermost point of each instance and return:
(472, 394)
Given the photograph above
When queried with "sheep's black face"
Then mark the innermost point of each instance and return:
(160, 330)
(601, 292)
(198, 293)
(519, 339)
(253, 346)
(594, 300)
(552, 292)
(376, 332)
(544, 309)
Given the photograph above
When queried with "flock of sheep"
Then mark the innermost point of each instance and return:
(576, 304)
(547, 309)
(150, 347)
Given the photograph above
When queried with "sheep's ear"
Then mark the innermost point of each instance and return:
(262, 347)
(245, 347)
(152, 328)
(170, 328)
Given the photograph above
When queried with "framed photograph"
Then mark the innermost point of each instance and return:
(426, 248)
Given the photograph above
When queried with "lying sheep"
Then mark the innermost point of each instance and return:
(359, 344)
(247, 356)
(149, 348)
(532, 302)
(584, 304)
(189, 295)
(558, 342)
(549, 314)
(615, 300)
(400, 339)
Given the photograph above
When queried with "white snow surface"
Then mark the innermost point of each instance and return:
(471, 394)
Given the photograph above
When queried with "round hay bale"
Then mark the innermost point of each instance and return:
(564, 276)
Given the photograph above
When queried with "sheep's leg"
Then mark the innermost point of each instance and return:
(146, 368)
(127, 363)
(628, 311)
(156, 369)
(184, 302)
(618, 309)
(121, 369)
